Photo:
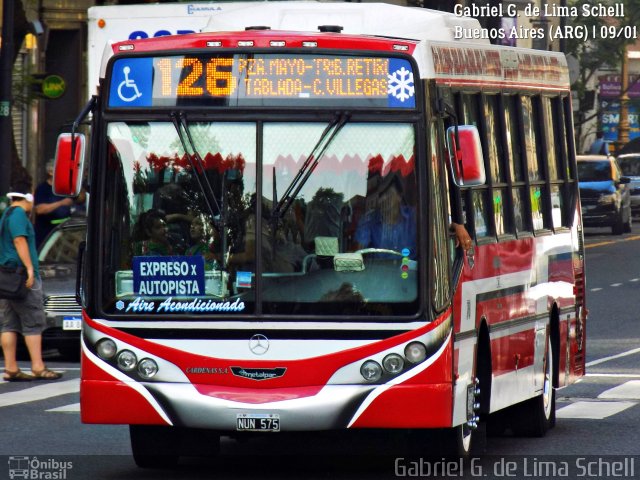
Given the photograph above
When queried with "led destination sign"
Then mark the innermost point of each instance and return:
(261, 80)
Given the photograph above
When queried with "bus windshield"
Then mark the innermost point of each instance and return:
(341, 233)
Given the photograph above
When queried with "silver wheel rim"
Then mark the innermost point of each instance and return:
(547, 392)
(465, 433)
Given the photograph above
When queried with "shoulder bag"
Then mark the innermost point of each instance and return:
(13, 278)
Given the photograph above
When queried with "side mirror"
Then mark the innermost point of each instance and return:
(69, 164)
(465, 156)
(624, 180)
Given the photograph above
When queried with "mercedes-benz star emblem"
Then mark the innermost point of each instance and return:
(259, 344)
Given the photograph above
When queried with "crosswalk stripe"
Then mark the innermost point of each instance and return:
(73, 408)
(629, 390)
(40, 392)
(593, 410)
(612, 357)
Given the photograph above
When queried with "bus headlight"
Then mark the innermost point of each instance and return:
(147, 368)
(393, 363)
(371, 371)
(106, 348)
(127, 360)
(415, 352)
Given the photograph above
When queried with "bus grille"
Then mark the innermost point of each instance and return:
(62, 304)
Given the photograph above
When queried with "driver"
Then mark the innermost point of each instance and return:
(391, 224)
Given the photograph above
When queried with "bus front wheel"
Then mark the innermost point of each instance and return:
(535, 416)
(460, 441)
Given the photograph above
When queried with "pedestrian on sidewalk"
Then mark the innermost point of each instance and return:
(26, 316)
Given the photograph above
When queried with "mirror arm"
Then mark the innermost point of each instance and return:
(89, 107)
(445, 109)
(455, 195)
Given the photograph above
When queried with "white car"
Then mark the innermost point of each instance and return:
(630, 166)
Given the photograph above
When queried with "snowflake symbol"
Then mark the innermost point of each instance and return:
(120, 305)
(401, 84)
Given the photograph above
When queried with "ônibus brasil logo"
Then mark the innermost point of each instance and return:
(40, 469)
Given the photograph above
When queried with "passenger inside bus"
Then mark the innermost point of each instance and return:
(172, 200)
(204, 241)
(151, 234)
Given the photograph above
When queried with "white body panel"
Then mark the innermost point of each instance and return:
(123, 22)
(381, 19)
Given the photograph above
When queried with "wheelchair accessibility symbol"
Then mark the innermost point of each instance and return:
(131, 83)
(128, 90)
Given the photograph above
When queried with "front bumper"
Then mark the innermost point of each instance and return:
(57, 337)
(334, 407)
(599, 215)
(418, 398)
(64, 317)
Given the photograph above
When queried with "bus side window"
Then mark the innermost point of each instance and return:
(536, 169)
(480, 208)
(441, 287)
(549, 126)
(469, 108)
(493, 139)
(554, 124)
(514, 158)
(495, 157)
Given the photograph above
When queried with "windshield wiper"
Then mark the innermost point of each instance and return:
(310, 163)
(179, 121)
(181, 125)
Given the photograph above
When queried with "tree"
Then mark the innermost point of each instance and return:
(604, 50)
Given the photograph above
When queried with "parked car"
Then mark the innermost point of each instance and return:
(58, 256)
(604, 193)
(630, 166)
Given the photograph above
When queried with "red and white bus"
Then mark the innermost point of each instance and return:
(354, 308)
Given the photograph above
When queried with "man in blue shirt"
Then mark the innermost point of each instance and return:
(392, 224)
(26, 316)
(51, 210)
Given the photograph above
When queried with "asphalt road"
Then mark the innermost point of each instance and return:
(597, 433)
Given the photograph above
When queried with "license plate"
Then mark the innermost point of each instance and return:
(71, 323)
(258, 422)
